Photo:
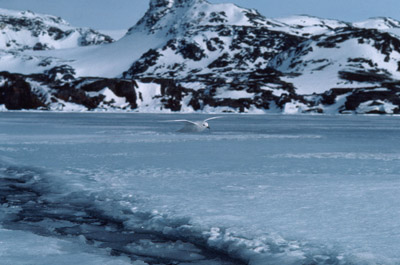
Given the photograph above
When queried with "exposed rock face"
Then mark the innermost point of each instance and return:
(58, 88)
(375, 100)
(221, 52)
(16, 93)
(44, 92)
(159, 10)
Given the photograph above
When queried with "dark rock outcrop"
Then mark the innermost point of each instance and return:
(40, 91)
(16, 93)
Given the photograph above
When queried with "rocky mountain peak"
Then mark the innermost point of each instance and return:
(171, 3)
(162, 12)
(6, 14)
(178, 17)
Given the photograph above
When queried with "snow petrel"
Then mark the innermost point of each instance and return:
(195, 126)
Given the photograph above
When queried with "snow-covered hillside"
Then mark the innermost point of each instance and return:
(221, 57)
(24, 34)
(384, 24)
(212, 40)
(27, 30)
(348, 58)
(308, 26)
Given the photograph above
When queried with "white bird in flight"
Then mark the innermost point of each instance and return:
(195, 126)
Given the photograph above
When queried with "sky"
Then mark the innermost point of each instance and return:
(122, 14)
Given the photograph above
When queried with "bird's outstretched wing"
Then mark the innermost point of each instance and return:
(189, 126)
(187, 121)
(213, 118)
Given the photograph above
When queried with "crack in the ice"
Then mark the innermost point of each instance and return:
(26, 190)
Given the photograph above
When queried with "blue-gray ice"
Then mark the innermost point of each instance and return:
(255, 189)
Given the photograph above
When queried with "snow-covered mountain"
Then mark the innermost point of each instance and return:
(381, 23)
(24, 34)
(191, 55)
(27, 30)
(209, 40)
(347, 58)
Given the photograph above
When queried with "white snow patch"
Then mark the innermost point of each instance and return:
(193, 85)
(233, 94)
(278, 92)
(3, 81)
(377, 105)
(294, 107)
(110, 99)
(148, 97)
(380, 89)
(186, 108)
(61, 105)
(337, 106)
(308, 25)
